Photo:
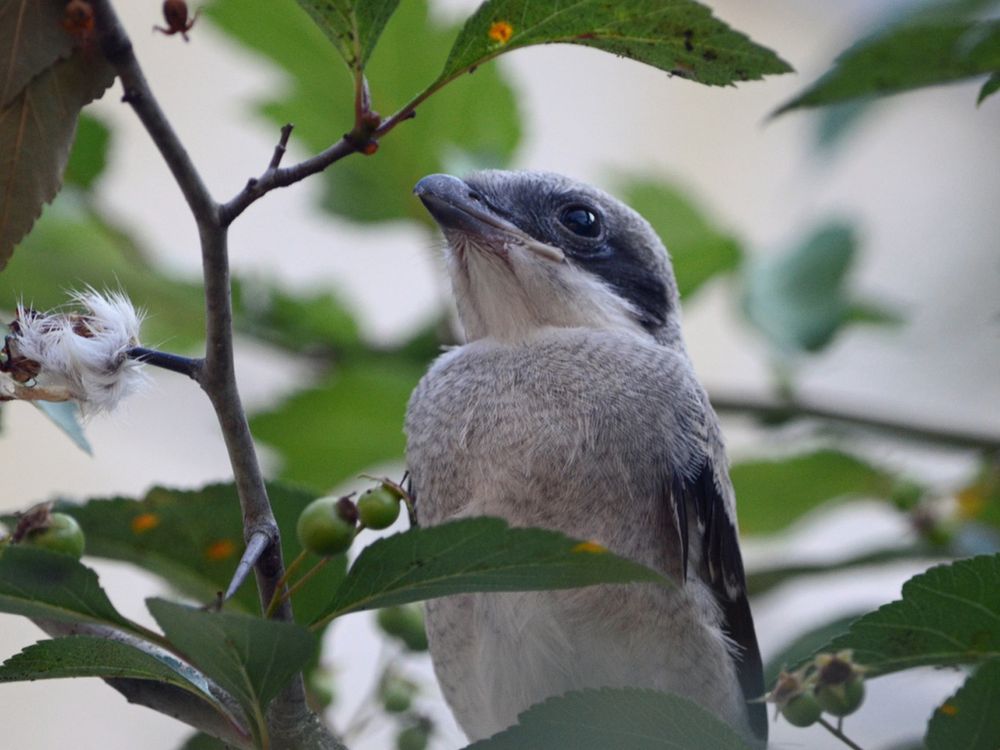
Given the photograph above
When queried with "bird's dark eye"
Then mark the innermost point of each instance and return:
(580, 220)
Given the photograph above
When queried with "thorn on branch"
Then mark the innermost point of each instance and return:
(259, 541)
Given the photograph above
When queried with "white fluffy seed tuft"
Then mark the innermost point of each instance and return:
(84, 353)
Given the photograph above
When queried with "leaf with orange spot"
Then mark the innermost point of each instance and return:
(476, 554)
(145, 522)
(969, 719)
(590, 547)
(220, 549)
(193, 540)
(678, 36)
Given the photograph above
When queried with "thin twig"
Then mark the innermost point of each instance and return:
(285, 176)
(839, 734)
(287, 596)
(774, 410)
(279, 150)
(173, 362)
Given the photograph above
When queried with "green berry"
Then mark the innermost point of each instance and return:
(842, 699)
(327, 526)
(397, 695)
(405, 623)
(413, 738)
(802, 710)
(60, 534)
(378, 508)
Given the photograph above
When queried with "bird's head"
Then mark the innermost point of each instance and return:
(531, 250)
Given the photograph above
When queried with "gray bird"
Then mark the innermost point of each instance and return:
(574, 406)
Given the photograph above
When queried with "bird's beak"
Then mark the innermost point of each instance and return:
(456, 206)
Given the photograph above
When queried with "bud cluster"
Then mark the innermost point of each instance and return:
(831, 683)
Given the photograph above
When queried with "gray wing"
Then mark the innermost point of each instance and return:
(700, 486)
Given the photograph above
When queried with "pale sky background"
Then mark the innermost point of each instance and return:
(919, 176)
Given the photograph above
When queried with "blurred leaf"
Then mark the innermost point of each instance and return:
(907, 56)
(194, 539)
(350, 421)
(32, 39)
(353, 27)
(250, 658)
(203, 742)
(322, 105)
(72, 245)
(66, 416)
(622, 718)
(36, 131)
(805, 645)
(980, 499)
(869, 313)
(762, 580)
(52, 586)
(969, 719)
(698, 250)
(798, 299)
(775, 492)
(836, 121)
(948, 615)
(89, 656)
(679, 36)
(89, 155)
(475, 554)
(989, 88)
(319, 323)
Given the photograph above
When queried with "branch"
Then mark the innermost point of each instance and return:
(772, 410)
(276, 177)
(216, 375)
(167, 361)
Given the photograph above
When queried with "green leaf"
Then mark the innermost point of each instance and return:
(804, 646)
(353, 27)
(698, 250)
(678, 36)
(969, 718)
(32, 39)
(798, 299)
(350, 421)
(376, 188)
(772, 493)
(904, 57)
(66, 416)
(194, 539)
(89, 656)
(51, 586)
(475, 554)
(36, 131)
(89, 155)
(317, 324)
(991, 86)
(624, 719)
(948, 615)
(250, 658)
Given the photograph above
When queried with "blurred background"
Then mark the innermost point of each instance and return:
(845, 258)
